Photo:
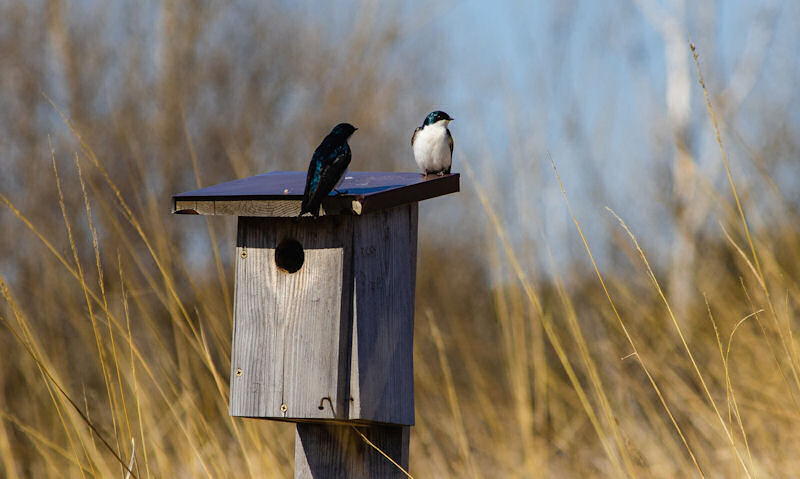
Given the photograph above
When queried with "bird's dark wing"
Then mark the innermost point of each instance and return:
(450, 140)
(334, 166)
(414, 136)
(312, 178)
(312, 182)
(446, 171)
(327, 167)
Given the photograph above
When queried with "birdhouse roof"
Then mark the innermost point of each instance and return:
(279, 193)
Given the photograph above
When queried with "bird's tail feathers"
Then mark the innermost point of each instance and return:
(309, 207)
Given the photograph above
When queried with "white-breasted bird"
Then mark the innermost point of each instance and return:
(433, 144)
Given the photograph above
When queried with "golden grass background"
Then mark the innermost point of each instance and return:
(112, 303)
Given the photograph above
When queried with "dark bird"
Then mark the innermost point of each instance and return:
(327, 169)
(433, 144)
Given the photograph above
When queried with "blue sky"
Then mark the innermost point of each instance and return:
(586, 82)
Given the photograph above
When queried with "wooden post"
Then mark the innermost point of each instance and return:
(323, 450)
(324, 314)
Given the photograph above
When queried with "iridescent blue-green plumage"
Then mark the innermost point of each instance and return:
(328, 166)
(435, 116)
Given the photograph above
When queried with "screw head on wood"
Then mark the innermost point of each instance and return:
(284, 408)
(244, 253)
(238, 371)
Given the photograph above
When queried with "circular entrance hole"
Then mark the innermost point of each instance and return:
(289, 255)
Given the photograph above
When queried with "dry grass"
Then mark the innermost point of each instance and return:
(116, 316)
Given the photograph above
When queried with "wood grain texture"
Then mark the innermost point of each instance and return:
(333, 341)
(381, 367)
(290, 355)
(328, 451)
(256, 208)
(264, 208)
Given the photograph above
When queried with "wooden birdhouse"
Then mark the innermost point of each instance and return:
(324, 307)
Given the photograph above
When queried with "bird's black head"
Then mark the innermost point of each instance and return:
(343, 130)
(435, 116)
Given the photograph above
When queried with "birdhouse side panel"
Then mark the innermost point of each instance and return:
(384, 260)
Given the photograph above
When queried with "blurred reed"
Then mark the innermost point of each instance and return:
(116, 316)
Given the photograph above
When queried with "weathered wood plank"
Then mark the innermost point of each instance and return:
(205, 206)
(274, 208)
(256, 365)
(290, 358)
(385, 264)
(186, 207)
(329, 451)
(256, 208)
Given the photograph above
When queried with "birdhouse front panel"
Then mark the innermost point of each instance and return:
(290, 357)
(324, 318)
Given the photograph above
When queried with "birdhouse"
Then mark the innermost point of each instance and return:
(324, 307)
